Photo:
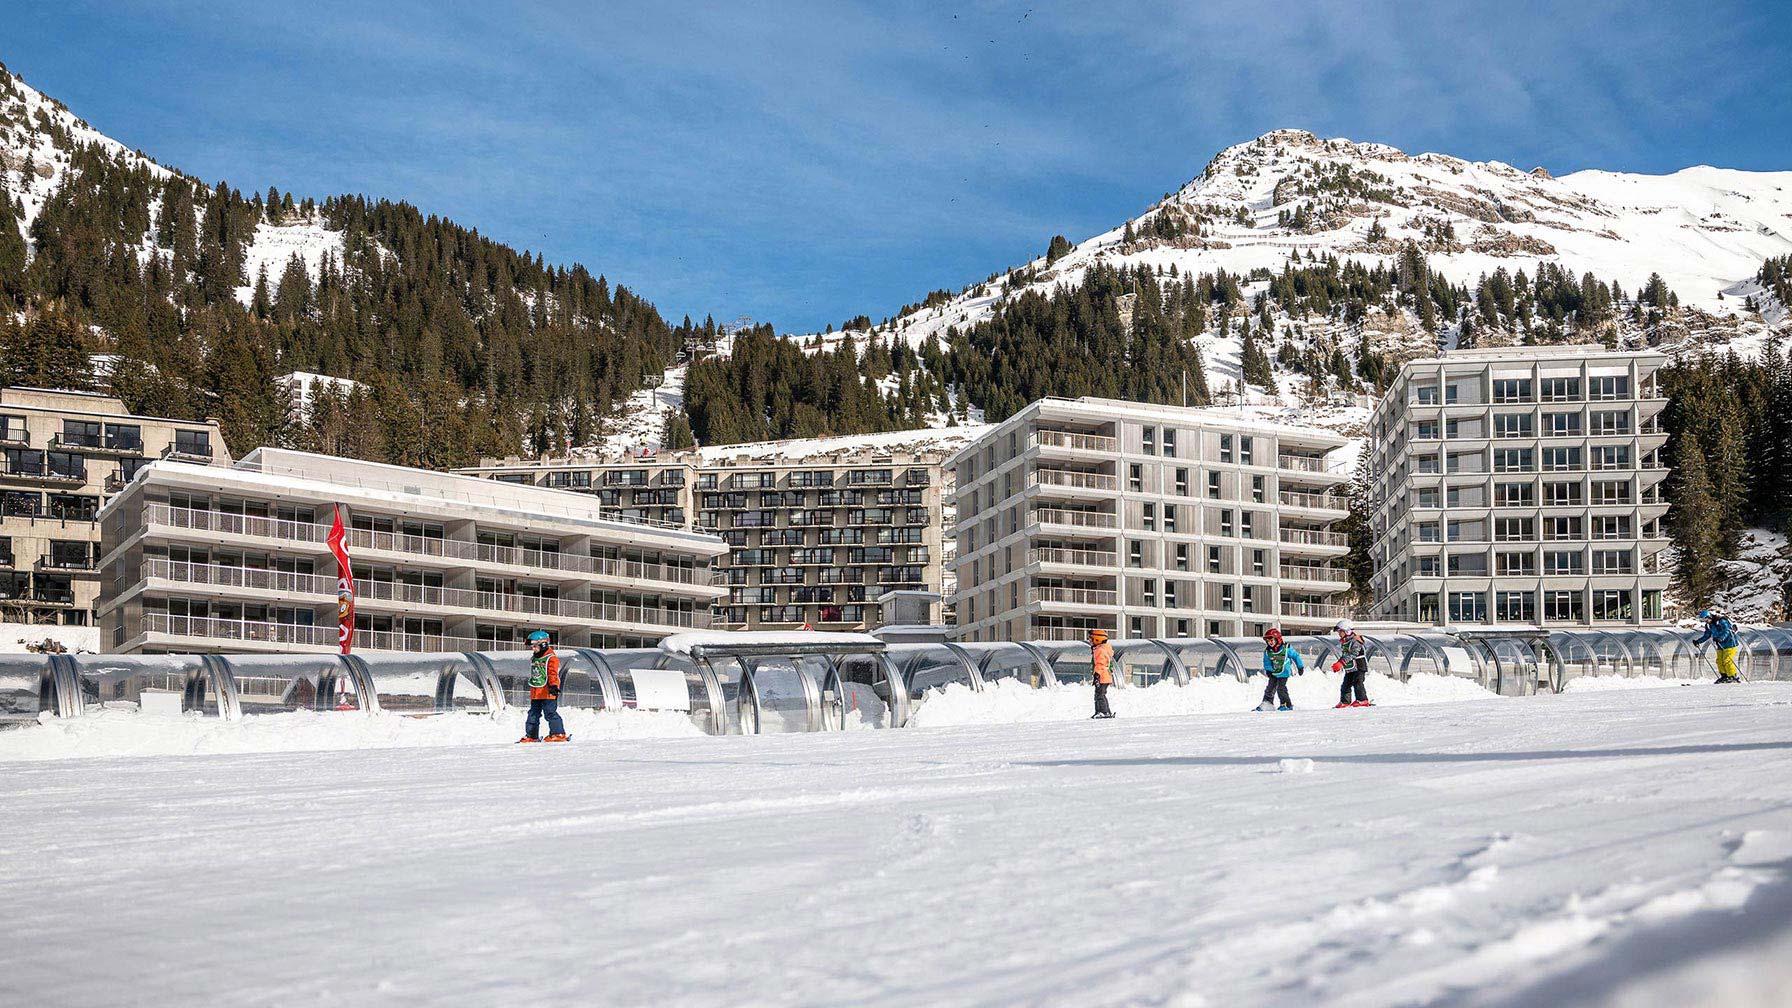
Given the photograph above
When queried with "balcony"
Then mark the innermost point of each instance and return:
(1315, 610)
(1060, 633)
(96, 445)
(1311, 501)
(1076, 442)
(66, 564)
(1074, 596)
(1314, 574)
(297, 634)
(413, 545)
(1301, 463)
(177, 452)
(1076, 519)
(1311, 537)
(1073, 557)
(55, 477)
(1072, 480)
(286, 584)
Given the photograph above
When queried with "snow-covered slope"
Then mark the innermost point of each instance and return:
(1607, 848)
(1705, 230)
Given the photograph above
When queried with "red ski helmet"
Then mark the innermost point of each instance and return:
(1272, 636)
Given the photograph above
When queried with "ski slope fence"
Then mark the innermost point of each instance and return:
(807, 687)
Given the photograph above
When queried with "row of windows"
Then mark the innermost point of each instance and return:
(1573, 606)
(1516, 390)
(1598, 423)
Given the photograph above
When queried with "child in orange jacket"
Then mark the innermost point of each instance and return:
(544, 691)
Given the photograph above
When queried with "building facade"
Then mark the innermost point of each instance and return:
(818, 531)
(1520, 485)
(65, 453)
(237, 558)
(1146, 521)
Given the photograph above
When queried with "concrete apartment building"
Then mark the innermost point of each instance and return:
(818, 531)
(1147, 521)
(1520, 485)
(65, 453)
(237, 558)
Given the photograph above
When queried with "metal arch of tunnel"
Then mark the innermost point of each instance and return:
(1229, 653)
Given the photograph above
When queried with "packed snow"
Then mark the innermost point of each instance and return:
(1614, 848)
(1008, 701)
(23, 638)
(275, 245)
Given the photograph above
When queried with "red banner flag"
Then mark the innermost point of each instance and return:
(345, 583)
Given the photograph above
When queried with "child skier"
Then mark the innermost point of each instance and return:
(1722, 634)
(1101, 655)
(1278, 661)
(544, 691)
(1354, 663)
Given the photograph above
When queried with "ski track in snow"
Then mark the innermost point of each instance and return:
(1610, 848)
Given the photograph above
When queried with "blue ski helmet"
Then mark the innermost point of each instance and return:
(538, 637)
(1705, 614)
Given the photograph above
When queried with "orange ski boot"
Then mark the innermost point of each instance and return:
(558, 737)
(527, 738)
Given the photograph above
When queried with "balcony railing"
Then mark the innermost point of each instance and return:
(1076, 442)
(1080, 519)
(65, 563)
(1315, 610)
(415, 545)
(1068, 478)
(1314, 573)
(1301, 463)
(287, 583)
(1324, 502)
(1074, 596)
(1073, 557)
(1310, 537)
(178, 452)
(1059, 633)
(269, 632)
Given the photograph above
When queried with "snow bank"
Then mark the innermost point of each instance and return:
(15, 636)
(1008, 701)
(131, 733)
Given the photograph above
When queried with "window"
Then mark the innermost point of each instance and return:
(1259, 562)
(1428, 532)
(1607, 457)
(1611, 527)
(1561, 425)
(23, 461)
(1257, 489)
(1182, 482)
(1226, 522)
(1135, 477)
(68, 465)
(1246, 521)
(1562, 562)
(1516, 607)
(1170, 512)
(1245, 447)
(1611, 604)
(1511, 425)
(1467, 564)
(1427, 464)
(81, 434)
(1561, 389)
(1150, 591)
(1425, 395)
(1428, 566)
(1169, 442)
(1511, 390)
(1428, 607)
(1468, 607)
(193, 442)
(1562, 606)
(1425, 430)
(1514, 495)
(1606, 387)
(13, 430)
(1514, 460)
(1612, 562)
(1135, 553)
(1150, 434)
(1182, 556)
(1228, 600)
(1513, 530)
(1169, 594)
(1515, 564)
(1213, 486)
(1427, 497)
(1611, 492)
(1150, 517)
(1608, 422)
(1562, 528)
(1557, 494)
(1225, 447)
(1213, 560)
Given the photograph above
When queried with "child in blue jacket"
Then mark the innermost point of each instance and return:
(1279, 661)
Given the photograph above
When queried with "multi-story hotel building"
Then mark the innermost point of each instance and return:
(1146, 521)
(65, 452)
(237, 558)
(1520, 485)
(818, 531)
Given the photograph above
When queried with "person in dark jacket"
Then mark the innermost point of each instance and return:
(1353, 661)
(1101, 656)
(1279, 661)
(544, 691)
(1722, 635)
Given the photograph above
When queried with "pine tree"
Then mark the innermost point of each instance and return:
(676, 434)
(1057, 249)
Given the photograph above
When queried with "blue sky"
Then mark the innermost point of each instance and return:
(804, 162)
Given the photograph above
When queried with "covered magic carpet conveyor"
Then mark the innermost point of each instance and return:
(761, 683)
